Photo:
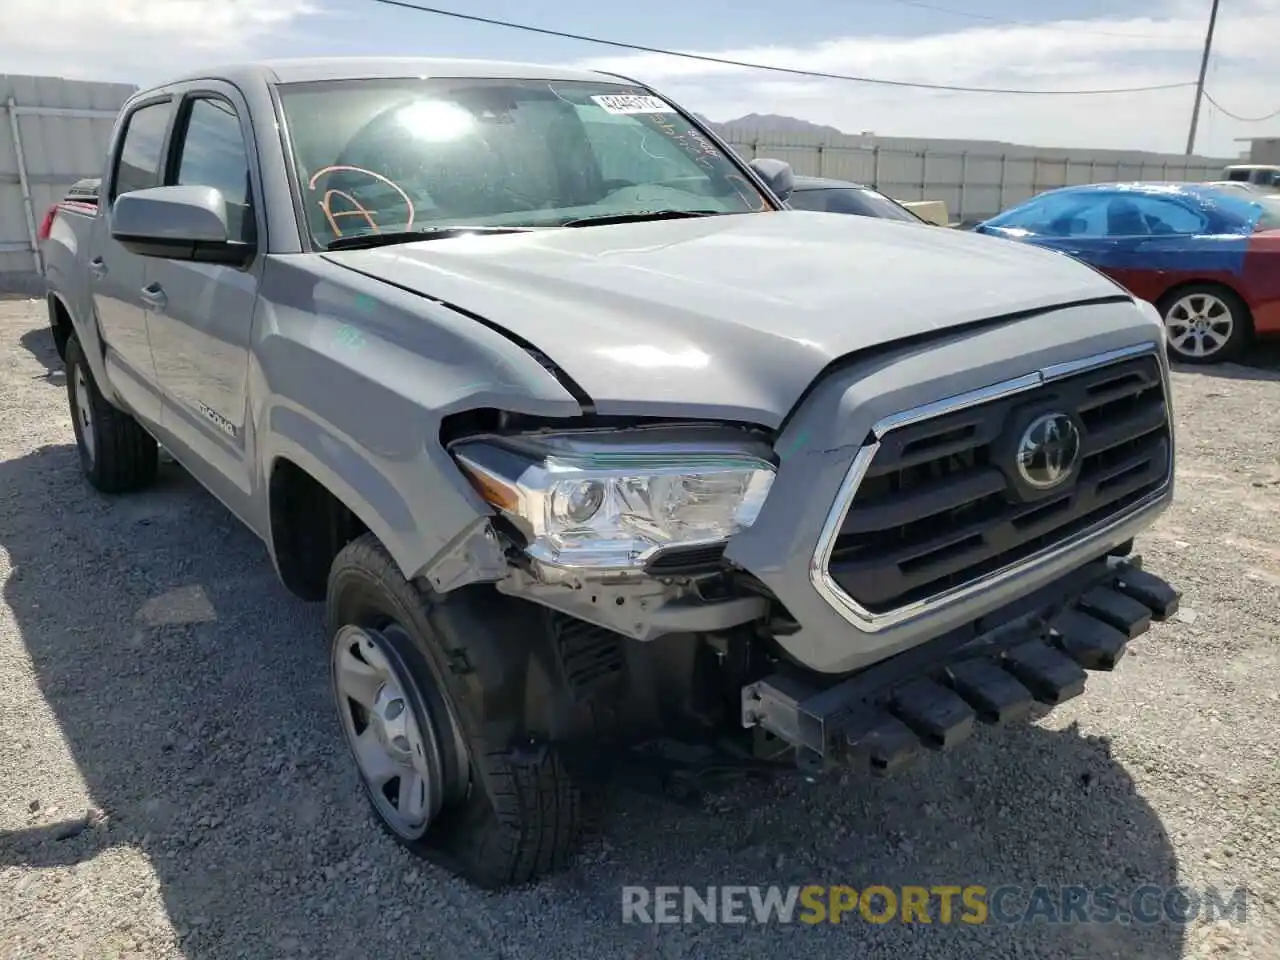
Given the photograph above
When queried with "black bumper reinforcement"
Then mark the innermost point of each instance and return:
(1036, 650)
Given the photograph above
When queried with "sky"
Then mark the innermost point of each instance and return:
(1055, 44)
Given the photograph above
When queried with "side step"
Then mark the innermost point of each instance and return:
(929, 698)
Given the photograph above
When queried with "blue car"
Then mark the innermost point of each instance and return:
(1206, 256)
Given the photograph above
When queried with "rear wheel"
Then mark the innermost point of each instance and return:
(116, 453)
(1205, 323)
(430, 708)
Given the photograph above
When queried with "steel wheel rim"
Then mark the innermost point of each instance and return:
(1199, 325)
(390, 735)
(84, 410)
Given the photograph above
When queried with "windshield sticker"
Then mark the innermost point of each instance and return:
(629, 103)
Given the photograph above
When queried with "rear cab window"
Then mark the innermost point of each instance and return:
(141, 149)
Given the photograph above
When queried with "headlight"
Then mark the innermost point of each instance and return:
(612, 500)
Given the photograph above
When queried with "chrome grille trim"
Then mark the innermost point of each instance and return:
(871, 622)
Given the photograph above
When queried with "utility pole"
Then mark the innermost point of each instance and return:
(1204, 66)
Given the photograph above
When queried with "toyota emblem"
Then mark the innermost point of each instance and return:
(1048, 451)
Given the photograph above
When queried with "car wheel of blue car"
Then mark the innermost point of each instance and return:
(1205, 323)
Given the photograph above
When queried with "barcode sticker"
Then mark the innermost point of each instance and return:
(623, 103)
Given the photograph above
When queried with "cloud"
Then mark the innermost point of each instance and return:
(1071, 54)
(135, 41)
(145, 41)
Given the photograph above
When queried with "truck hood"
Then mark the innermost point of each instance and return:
(729, 316)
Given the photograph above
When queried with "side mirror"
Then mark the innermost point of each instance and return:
(177, 223)
(777, 175)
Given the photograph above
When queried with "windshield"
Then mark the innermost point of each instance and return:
(376, 156)
(859, 201)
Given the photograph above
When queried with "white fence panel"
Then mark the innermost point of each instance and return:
(975, 178)
(53, 132)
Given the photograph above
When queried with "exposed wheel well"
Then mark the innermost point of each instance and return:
(309, 525)
(60, 322)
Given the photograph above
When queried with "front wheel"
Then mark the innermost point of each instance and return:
(430, 709)
(1205, 323)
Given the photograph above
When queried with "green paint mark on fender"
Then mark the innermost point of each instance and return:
(349, 338)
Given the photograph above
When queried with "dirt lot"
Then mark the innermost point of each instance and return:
(172, 782)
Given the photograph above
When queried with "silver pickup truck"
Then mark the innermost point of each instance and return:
(602, 460)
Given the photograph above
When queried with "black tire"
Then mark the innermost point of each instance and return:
(60, 338)
(1241, 323)
(116, 453)
(513, 819)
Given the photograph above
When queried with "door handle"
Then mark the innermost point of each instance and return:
(153, 296)
(98, 267)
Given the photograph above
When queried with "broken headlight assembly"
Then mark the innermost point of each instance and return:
(613, 500)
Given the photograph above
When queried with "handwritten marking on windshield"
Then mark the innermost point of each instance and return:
(358, 209)
(326, 204)
(695, 152)
(707, 147)
(749, 194)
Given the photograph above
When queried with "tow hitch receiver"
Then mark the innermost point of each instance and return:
(1037, 650)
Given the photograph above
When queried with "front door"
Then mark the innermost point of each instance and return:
(200, 315)
(116, 275)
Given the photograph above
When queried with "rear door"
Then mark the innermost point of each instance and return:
(116, 276)
(201, 314)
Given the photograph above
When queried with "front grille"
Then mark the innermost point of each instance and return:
(941, 505)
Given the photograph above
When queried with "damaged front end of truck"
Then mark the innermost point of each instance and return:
(864, 584)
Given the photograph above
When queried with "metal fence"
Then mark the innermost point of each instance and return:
(53, 132)
(974, 179)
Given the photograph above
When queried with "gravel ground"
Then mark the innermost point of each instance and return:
(172, 783)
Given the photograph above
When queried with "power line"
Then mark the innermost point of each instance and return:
(793, 71)
(1028, 23)
(1235, 116)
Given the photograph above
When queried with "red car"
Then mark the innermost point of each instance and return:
(1207, 257)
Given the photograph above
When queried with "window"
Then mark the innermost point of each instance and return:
(858, 201)
(387, 155)
(1139, 215)
(138, 166)
(213, 154)
(1269, 215)
(1065, 215)
(1119, 214)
